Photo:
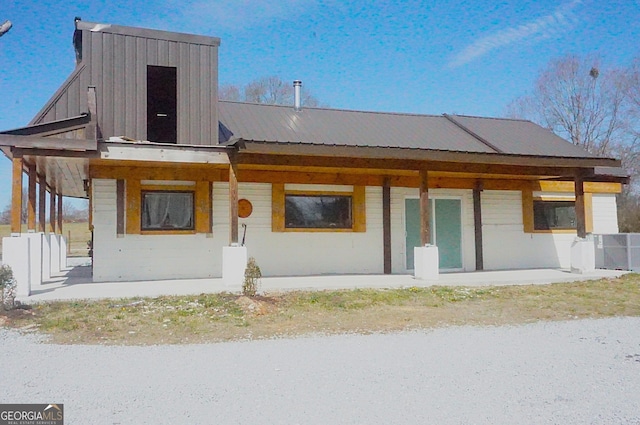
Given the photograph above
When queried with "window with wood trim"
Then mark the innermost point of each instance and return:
(553, 214)
(167, 210)
(318, 211)
(180, 208)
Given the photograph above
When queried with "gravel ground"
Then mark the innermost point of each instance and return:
(579, 372)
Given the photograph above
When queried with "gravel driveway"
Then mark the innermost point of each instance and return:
(579, 372)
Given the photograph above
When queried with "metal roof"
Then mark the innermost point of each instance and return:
(335, 127)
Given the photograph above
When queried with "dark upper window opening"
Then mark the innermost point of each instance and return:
(162, 104)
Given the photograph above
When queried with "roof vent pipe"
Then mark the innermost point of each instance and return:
(297, 103)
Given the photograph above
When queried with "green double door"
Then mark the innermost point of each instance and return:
(446, 230)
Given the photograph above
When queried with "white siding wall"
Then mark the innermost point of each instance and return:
(506, 246)
(305, 253)
(605, 213)
(142, 257)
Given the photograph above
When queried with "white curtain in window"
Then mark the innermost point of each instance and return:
(168, 210)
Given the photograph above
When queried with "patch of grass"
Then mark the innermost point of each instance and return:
(223, 317)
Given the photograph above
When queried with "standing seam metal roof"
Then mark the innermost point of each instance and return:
(282, 124)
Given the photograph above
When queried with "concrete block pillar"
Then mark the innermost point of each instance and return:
(35, 258)
(46, 257)
(426, 262)
(15, 254)
(54, 251)
(234, 263)
(583, 255)
(63, 252)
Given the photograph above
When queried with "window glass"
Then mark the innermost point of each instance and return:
(318, 212)
(167, 210)
(549, 215)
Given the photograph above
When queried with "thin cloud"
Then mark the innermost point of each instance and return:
(544, 27)
(199, 16)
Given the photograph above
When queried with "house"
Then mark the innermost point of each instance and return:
(182, 185)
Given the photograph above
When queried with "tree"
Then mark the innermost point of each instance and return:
(596, 108)
(580, 102)
(5, 214)
(267, 90)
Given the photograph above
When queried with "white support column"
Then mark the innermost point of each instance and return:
(63, 252)
(54, 250)
(426, 262)
(15, 254)
(234, 263)
(583, 255)
(46, 257)
(35, 259)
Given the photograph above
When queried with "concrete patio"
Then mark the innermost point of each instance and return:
(75, 283)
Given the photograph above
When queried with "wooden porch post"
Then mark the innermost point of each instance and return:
(59, 213)
(477, 224)
(581, 220)
(233, 202)
(424, 208)
(42, 204)
(31, 204)
(52, 211)
(386, 225)
(16, 196)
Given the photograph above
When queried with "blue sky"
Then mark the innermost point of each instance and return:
(432, 57)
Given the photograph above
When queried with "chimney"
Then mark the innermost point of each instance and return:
(297, 103)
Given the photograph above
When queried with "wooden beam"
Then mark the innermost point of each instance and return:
(477, 225)
(42, 204)
(386, 225)
(134, 205)
(16, 196)
(424, 208)
(527, 210)
(359, 209)
(233, 203)
(138, 172)
(59, 228)
(581, 220)
(52, 211)
(203, 207)
(277, 207)
(31, 200)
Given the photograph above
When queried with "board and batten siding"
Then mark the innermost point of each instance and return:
(116, 65)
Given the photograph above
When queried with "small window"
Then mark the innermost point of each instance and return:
(318, 212)
(162, 104)
(167, 210)
(550, 215)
